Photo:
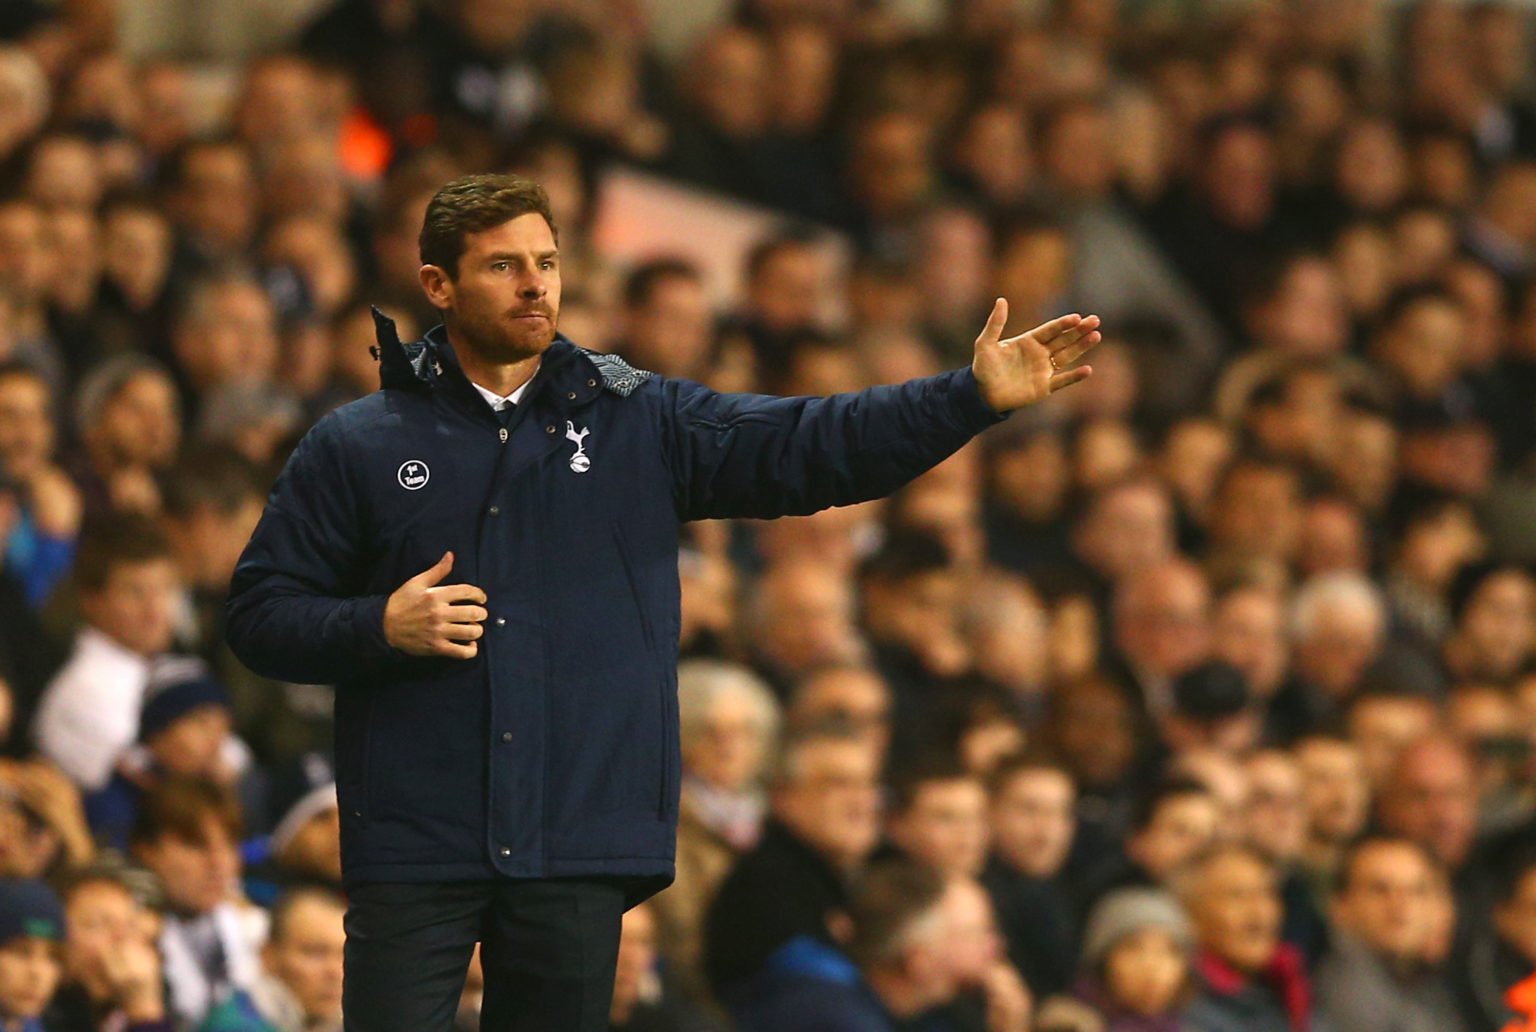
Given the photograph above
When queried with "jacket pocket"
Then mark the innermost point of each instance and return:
(635, 593)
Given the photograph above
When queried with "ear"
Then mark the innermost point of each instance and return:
(437, 285)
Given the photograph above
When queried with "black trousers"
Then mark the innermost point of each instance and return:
(548, 946)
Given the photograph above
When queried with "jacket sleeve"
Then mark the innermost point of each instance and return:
(294, 612)
(756, 456)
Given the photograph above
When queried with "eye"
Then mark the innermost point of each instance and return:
(547, 264)
(500, 266)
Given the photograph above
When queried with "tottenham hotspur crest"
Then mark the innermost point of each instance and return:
(580, 463)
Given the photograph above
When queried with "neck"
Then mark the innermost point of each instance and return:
(498, 377)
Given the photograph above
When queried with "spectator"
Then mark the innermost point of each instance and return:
(1136, 961)
(729, 728)
(1375, 976)
(1431, 799)
(90, 711)
(186, 834)
(803, 613)
(902, 961)
(1173, 823)
(1248, 979)
(112, 971)
(938, 816)
(299, 989)
(1337, 798)
(184, 725)
(31, 931)
(40, 545)
(1162, 627)
(1032, 803)
(129, 420)
(853, 696)
(823, 827)
(644, 999)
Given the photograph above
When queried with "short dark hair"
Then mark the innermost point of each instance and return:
(289, 901)
(212, 477)
(179, 807)
(1147, 807)
(106, 544)
(890, 898)
(1352, 853)
(643, 280)
(930, 769)
(473, 204)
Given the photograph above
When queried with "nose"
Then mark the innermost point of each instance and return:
(533, 287)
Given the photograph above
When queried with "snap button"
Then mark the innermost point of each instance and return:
(591, 383)
(571, 396)
(506, 736)
(495, 510)
(549, 429)
(505, 851)
(501, 621)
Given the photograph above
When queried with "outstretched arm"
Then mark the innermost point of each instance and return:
(747, 455)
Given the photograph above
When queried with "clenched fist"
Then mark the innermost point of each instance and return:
(425, 617)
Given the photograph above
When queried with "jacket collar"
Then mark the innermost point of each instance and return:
(568, 378)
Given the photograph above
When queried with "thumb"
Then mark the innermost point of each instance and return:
(434, 575)
(991, 332)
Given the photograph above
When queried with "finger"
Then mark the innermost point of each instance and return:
(458, 593)
(464, 614)
(1068, 337)
(1077, 349)
(453, 650)
(1047, 332)
(461, 632)
(1067, 377)
(436, 572)
(995, 323)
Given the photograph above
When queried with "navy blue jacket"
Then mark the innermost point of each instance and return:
(554, 752)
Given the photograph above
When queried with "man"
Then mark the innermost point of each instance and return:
(299, 989)
(938, 816)
(1248, 981)
(823, 828)
(554, 483)
(1033, 821)
(187, 833)
(128, 590)
(1375, 979)
(917, 943)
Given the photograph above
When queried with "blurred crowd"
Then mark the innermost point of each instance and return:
(1201, 697)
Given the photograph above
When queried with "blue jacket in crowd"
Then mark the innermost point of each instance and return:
(554, 752)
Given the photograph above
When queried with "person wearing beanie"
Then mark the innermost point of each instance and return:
(183, 728)
(31, 931)
(1135, 961)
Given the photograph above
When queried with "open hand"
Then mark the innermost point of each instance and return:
(425, 617)
(1018, 371)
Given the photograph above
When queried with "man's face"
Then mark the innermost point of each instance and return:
(787, 290)
(946, 826)
(137, 605)
(307, 959)
(1336, 651)
(972, 942)
(1334, 787)
(197, 875)
(1129, 529)
(504, 299)
(190, 746)
(1237, 911)
(1182, 826)
(729, 752)
(1166, 624)
(1382, 727)
(1500, 622)
(26, 431)
(1249, 632)
(316, 849)
(670, 331)
(1431, 798)
(806, 618)
(1276, 812)
(854, 697)
(833, 800)
(24, 259)
(1388, 900)
(1033, 821)
(142, 425)
(101, 916)
(218, 197)
(235, 340)
(29, 972)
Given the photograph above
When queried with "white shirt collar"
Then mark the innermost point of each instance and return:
(498, 401)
